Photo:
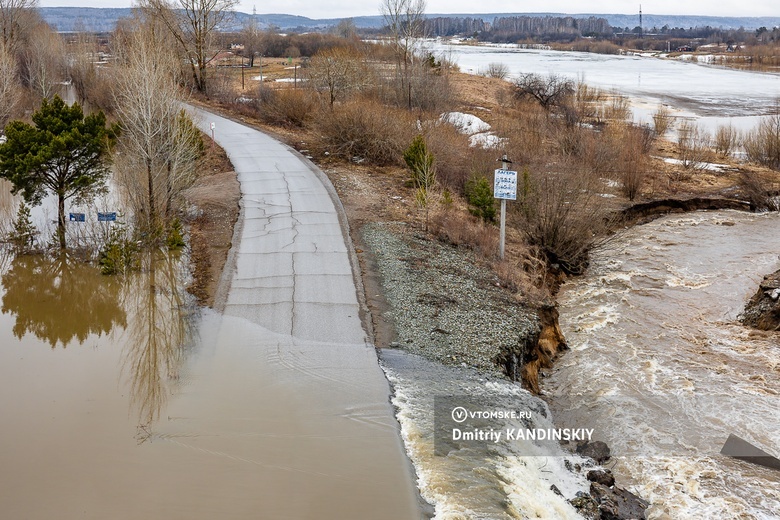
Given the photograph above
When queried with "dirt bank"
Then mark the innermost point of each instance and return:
(212, 212)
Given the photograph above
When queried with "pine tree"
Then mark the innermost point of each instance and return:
(22, 236)
(64, 154)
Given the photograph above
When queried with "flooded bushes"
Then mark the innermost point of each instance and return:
(23, 235)
(762, 145)
(119, 253)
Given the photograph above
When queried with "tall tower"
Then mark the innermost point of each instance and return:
(641, 27)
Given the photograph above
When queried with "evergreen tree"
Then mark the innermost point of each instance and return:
(64, 154)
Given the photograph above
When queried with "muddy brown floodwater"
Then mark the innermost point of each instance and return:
(117, 403)
(87, 364)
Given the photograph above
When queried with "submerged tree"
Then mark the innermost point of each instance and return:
(9, 86)
(159, 142)
(64, 153)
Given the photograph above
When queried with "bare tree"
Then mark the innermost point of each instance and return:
(159, 143)
(762, 144)
(550, 91)
(662, 120)
(11, 19)
(9, 86)
(497, 70)
(346, 28)
(562, 214)
(254, 41)
(337, 71)
(694, 148)
(43, 63)
(405, 19)
(192, 24)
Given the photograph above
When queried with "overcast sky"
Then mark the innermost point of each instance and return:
(348, 8)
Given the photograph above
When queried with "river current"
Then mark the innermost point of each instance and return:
(660, 366)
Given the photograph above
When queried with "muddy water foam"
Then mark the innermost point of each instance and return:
(659, 363)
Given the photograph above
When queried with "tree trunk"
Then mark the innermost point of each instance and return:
(150, 185)
(61, 219)
(168, 194)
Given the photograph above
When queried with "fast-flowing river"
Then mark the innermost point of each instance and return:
(660, 366)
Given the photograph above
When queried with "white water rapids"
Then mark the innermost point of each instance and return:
(664, 372)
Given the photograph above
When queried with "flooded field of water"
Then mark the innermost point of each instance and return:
(711, 95)
(661, 366)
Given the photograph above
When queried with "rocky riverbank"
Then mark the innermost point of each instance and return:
(763, 310)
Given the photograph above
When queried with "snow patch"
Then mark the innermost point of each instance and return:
(465, 123)
(487, 140)
(699, 165)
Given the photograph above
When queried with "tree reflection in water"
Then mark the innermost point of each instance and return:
(159, 332)
(59, 299)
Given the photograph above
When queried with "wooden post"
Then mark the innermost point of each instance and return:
(502, 243)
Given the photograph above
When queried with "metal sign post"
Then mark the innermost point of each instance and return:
(504, 188)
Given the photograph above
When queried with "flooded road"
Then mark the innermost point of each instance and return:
(660, 365)
(119, 402)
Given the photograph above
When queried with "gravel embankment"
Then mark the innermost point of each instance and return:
(442, 305)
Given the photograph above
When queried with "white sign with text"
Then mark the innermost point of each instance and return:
(505, 185)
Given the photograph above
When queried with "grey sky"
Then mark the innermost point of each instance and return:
(347, 8)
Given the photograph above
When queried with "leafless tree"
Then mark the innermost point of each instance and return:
(662, 120)
(12, 14)
(726, 139)
(762, 145)
(497, 70)
(338, 71)
(43, 63)
(694, 148)
(192, 24)
(550, 91)
(405, 19)
(254, 41)
(562, 215)
(346, 28)
(82, 68)
(9, 86)
(159, 144)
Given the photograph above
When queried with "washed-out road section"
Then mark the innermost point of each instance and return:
(293, 369)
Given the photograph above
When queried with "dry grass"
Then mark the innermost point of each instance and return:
(365, 130)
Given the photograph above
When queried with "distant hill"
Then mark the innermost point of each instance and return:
(66, 19)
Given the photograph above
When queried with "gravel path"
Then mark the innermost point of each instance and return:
(443, 306)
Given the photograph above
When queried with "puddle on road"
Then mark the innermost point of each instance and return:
(118, 403)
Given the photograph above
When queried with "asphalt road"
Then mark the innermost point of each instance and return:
(289, 364)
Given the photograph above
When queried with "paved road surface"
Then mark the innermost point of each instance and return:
(292, 372)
